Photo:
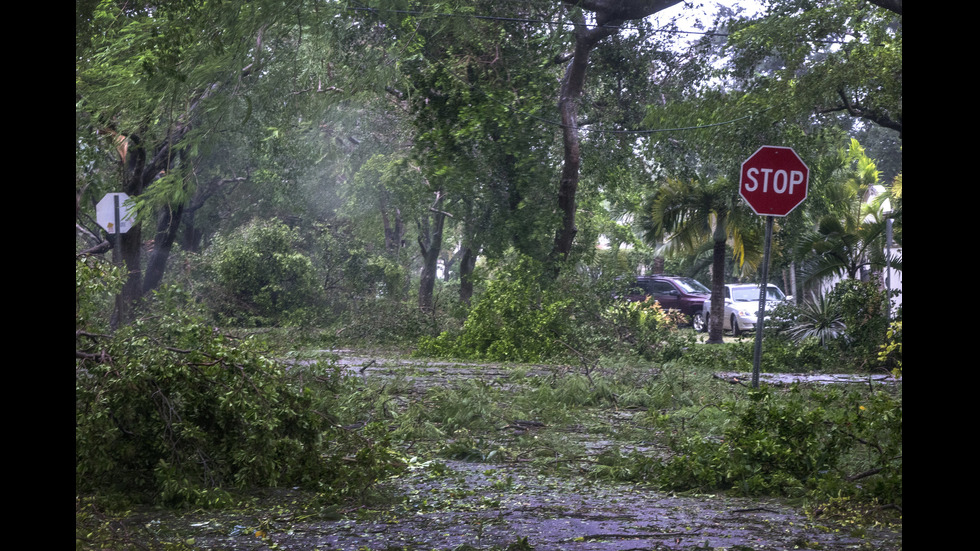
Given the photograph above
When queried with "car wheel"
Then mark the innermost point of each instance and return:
(699, 322)
(735, 330)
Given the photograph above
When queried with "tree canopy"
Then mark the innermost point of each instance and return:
(429, 134)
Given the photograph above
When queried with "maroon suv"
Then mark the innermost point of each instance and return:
(680, 293)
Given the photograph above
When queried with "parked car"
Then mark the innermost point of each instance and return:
(685, 294)
(741, 307)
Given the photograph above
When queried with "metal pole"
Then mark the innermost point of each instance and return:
(116, 253)
(888, 269)
(117, 259)
(761, 316)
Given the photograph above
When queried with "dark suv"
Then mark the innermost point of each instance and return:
(680, 293)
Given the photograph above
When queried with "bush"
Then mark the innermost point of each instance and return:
(822, 444)
(817, 317)
(843, 329)
(890, 354)
(862, 306)
(259, 278)
(96, 284)
(525, 315)
(519, 318)
(170, 410)
(386, 322)
(647, 326)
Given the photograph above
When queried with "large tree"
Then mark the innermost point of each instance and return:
(473, 84)
(175, 100)
(143, 85)
(608, 16)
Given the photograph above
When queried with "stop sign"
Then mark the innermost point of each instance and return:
(774, 180)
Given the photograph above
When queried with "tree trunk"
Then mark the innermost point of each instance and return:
(717, 318)
(136, 176)
(167, 226)
(393, 233)
(466, 266)
(571, 91)
(139, 171)
(447, 267)
(609, 14)
(128, 246)
(430, 243)
(792, 282)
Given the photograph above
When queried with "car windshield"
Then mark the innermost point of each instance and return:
(773, 293)
(692, 286)
(745, 294)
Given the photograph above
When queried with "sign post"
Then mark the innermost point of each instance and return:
(774, 181)
(113, 213)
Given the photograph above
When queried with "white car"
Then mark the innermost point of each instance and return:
(741, 307)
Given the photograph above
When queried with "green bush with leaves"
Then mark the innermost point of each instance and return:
(260, 278)
(823, 443)
(647, 326)
(841, 330)
(817, 317)
(519, 318)
(862, 305)
(168, 409)
(96, 284)
(527, 315)
(890, 353)
(782, 354)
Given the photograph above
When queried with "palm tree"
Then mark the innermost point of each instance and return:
(685, 214)
(849, 237)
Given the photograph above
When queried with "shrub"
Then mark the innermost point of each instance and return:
(519, 318)
(170, 410)
(259, 278)
(862, 306)
(782, 355)
(525, 315)
(890, 354)
(646, 325)
(824, 444)
(818, 317)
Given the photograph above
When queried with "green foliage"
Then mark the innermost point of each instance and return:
(863, 307)
(260, 278)
(96, 283)
(823, 58)
(818, 443)
(841, 330)
(633, 467)
(646, 326)
(782, 354)
(170, 410)
(736, 356)
(890, 353)
(846, 237)
(690, 213)
(519, 318)
(525, 315)
(818, 317)
(387, 322)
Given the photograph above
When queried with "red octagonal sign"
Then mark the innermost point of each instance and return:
(774, 180)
